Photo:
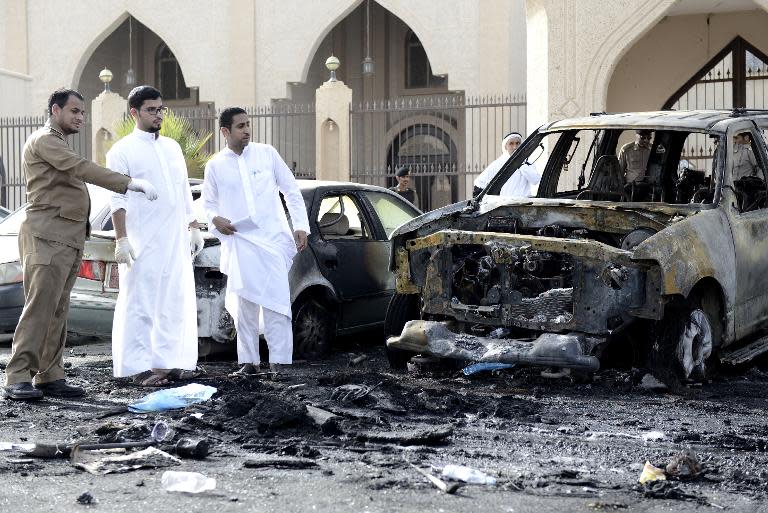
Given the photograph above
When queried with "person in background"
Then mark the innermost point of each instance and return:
(403, 177)
(633, 156)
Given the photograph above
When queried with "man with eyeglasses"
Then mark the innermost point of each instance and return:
(633, 156)
(155, 324)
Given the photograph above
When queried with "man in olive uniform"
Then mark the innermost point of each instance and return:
(633, 156)
(51, 242)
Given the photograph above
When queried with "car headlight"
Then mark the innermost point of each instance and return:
(10, 273)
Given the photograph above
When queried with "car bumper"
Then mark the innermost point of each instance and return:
(91, 314)
(548, 350)
(11, 305)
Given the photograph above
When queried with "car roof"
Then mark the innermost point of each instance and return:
(704, 120)
(320, 184)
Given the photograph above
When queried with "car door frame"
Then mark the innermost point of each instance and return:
(749, 231)
(355, 311)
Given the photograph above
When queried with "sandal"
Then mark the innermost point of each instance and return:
(248, 369)
(155, 380)
(183, 374)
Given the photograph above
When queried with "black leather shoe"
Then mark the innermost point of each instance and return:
(59, 388)
(22, 392)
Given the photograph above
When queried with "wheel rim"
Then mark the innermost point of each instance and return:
(311, 334)
(695, 343)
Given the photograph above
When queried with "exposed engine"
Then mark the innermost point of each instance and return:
(495, 273)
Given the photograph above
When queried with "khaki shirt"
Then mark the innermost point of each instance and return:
(634, 161)
(59, 204)
(744, 162)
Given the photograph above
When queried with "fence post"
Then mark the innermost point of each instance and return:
(332, 155)
(107, 110)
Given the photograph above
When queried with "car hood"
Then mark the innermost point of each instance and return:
(9, 249)
(661, 214)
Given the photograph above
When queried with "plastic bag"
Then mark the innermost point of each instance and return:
(173, 398)
(467, 474)
(190, 482)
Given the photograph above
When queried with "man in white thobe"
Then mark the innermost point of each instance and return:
(241, 192)
(155, 323)
(522, 181)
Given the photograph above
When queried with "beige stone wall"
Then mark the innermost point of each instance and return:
(14, 99)
(673, 51)
(249, 51)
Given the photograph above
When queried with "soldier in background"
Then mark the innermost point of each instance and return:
(633, 156)
(403, 177)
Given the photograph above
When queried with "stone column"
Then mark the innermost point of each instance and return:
(107, 110)
(332, 151)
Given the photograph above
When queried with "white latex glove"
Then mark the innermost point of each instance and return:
(124, 252)
(139, 185)
(195, 241)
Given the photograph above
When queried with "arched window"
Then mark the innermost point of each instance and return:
(418, 72)
(736, 77)
(170, 80)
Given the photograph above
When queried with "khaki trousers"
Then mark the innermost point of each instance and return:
(49, 269)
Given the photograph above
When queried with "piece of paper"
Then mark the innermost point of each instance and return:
(244, 225)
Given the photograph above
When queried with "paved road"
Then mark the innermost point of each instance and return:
(552, 445)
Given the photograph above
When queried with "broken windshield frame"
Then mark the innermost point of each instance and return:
(663, 180)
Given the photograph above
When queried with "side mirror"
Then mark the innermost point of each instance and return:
(537, 153)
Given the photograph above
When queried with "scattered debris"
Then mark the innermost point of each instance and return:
(147, 458)
(284, 463)
(86, 499)
(328, 422)
(351, 392)
(161, 431)
(684, 465)
(651, 473)
(409, 436)
(485, 366)
(195, 449)
(661, 489)
(650, 383)
(467, 475)
(653, 436)
(173, 398)
(439, 483)
(358, 360)
(189, 482)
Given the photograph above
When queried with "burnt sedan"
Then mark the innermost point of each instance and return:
(661, 264)
(340, 284)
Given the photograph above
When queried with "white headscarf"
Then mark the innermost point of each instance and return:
(509, 137)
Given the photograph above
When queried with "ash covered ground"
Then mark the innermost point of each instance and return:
(551, 444)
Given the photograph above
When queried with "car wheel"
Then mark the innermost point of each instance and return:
(686, 339)
(313, 329)
(402, 308)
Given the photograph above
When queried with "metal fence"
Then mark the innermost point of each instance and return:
(445, 140)
(289, 127)
(13, 133)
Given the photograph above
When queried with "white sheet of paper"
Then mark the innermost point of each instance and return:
(245, 224)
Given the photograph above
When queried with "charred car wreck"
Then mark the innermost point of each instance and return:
(668, 269)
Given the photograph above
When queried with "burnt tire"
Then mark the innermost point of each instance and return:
(401, 309)
(686, 340)
(314, 328)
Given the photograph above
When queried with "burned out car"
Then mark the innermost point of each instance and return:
(668, 269)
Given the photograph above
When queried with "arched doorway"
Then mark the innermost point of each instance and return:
(136, 55)
(736, 76)
(432, 157)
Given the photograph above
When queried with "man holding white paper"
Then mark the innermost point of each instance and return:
(241, 193)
